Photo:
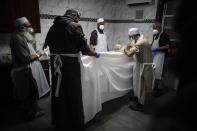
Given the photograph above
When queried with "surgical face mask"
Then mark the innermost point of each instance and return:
(155, 32)
(101, 27)
(131, 41)
(29, 29)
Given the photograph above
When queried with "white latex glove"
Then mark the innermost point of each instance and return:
(134, 49)
(40, 52)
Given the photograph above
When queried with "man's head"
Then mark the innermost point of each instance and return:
(100, 24)
(74, 14)
(24, 26)
(157, 28)
(134, 34)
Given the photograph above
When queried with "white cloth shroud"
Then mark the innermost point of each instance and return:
(103, 79)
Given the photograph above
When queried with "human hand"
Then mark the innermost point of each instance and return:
(40, 52)
(134, 49)
(153, 49)
(128, 46)
(97, 55)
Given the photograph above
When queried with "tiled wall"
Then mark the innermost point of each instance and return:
(119, 18)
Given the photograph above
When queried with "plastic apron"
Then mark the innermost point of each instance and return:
(158, 59)
(101, 42)
(140, 86)
(38, 74)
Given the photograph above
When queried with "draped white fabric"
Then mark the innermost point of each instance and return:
(103, 79)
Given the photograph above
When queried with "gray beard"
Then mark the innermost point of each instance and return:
(30, 38)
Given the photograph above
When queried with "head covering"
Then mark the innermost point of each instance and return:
(133, 31)
(100, 20)
(20, 21)
(72, 12)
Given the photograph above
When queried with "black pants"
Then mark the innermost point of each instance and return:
(67, 109)
(30, 104)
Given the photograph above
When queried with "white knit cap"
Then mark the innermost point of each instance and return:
(133, 31)
(100, 20)
(20, 21)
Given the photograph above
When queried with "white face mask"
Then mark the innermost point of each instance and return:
(131, 41)
(30, 30)
(101, 27)
(155, 32)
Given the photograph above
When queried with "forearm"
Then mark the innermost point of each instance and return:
(128, 53)
(92, 53)
(34, 57)
(163, 48)
(92, 47)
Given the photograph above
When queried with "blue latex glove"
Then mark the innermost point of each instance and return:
(153, 49)
(97, 55)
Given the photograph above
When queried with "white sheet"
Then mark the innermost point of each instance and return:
(103, 79)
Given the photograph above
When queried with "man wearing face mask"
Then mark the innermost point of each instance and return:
(98, 39)
(160, 46)
(27, 74)
(66, 39)
(143, 69)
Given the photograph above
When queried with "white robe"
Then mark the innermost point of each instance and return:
(38, 74)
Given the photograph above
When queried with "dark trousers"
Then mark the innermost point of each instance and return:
(67, 109)
(30, 104)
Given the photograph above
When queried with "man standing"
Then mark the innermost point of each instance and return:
(143, 70)
(98, 39)
(28, 77)
(65, 40)
(160, 46)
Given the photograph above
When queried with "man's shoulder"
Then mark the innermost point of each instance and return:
(74, 24)
(142, 41)
(164, 34)
(94, 31)
(16, 36)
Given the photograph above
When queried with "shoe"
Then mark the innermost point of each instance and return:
(39, 114)
(133, 98)
(157, 93)
(137, 107)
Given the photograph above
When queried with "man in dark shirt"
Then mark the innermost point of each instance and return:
(65, 40)
(98, 39)
(160, 45)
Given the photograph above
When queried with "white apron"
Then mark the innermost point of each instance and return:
(38, 74)
(101, 42)
(158, 59)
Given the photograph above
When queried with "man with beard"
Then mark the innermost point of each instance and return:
(27, 74)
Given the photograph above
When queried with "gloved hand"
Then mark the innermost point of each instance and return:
(134, 50)
(97, 55)
(40, 52)
(153, 49)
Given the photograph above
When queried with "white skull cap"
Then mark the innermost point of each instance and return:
(133, 31)
(20, 21)
(100, 20)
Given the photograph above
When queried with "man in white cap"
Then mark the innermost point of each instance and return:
(98, 39)
(143, 69)
(27, 74)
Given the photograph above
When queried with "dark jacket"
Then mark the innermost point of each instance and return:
(20, 50)
(66, 36)
(24, 84)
